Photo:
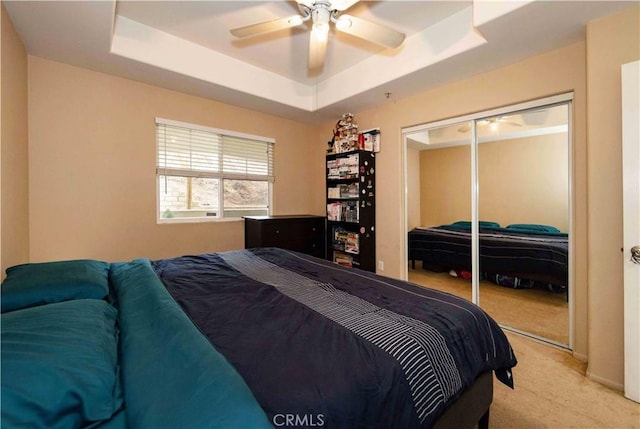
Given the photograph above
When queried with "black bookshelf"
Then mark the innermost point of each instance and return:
(351, 209)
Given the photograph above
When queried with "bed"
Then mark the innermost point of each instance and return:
(250, 338)
(520, 253)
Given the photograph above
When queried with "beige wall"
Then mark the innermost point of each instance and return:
(92, 166)
(525, 180)
(611, 42)
(445, 185)
(521, 180)
(555, 72)
(14, 200)
(413, 189)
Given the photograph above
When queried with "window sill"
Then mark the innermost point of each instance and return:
(178, 221)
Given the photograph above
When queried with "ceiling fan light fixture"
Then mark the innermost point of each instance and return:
(321, 17)
(343, 23)
(321, 27)
(296, 20)
(320, 32)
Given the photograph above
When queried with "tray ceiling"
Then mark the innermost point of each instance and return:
(186, 46)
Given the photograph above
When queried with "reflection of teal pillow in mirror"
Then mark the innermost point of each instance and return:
(463, 224)
(59, 365)
(533, 227)
(28, 285)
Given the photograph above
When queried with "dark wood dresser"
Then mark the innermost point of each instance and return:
(302, 233)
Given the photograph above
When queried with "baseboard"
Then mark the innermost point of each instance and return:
(580, 357)
(611, 384)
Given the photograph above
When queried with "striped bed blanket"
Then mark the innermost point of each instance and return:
(534, 256)
(312, 338)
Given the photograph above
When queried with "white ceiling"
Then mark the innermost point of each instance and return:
(516, 125)
(186, 46)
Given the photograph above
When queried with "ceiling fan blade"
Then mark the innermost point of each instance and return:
(317, 49)
(342, 4)
(334, 4)
(267, 26)
(307, 3)
(368, 30)
(465, 128)
(506, 119)
(536, 117)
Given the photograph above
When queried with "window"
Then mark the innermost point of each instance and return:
(205, 173)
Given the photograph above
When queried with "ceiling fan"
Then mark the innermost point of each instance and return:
(492, 122)
(321, 13)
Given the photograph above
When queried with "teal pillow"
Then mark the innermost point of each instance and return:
(28, 285)
(533, 227)
(59, 365)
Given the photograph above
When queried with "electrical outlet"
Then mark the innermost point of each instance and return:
(381, 265)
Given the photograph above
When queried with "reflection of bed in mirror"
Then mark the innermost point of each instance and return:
(514, 168)
(521, 255)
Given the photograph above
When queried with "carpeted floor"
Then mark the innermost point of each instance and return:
(551, 391)
(539, 312)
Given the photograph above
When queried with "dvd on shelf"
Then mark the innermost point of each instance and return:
(343, 191)
(343, 211)
(343, 168)
(347, 241)
(343, 259)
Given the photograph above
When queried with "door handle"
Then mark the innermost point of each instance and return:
(635, 254)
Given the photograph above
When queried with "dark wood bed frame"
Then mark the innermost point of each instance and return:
(472, 408)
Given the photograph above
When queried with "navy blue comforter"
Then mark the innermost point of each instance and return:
(324, 345)
(532, 255)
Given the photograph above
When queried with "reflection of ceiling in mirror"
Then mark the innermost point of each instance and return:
(550, 120)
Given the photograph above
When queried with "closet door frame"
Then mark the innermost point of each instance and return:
(560, 99)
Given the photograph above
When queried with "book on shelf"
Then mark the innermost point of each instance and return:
(344, 191)
(343, 211)
(349, 191)
(333, 211)
(347, 241)
(343, 168)
(343, 259)
(333, 192)
(352, 245)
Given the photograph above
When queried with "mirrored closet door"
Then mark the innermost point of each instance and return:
(488, 214)
(440, 180)
(523, 182)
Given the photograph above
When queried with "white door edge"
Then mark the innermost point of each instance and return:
(631, 225)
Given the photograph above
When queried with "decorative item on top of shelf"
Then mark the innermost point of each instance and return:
(369, 140)
(346, 137)
(345, 134)
(330, 147)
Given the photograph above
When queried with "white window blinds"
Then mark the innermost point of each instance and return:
(196, 151)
